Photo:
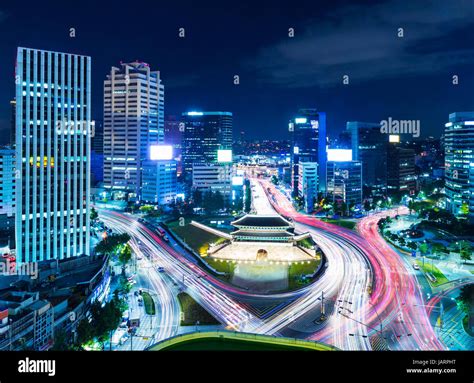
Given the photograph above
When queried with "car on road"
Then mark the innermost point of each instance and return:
(415, 266)
(165, 237)
(161, 269)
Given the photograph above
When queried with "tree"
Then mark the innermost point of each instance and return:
(147, 209)
(105, 319)
(412, 245)
(60, 341)
(85, 332)
(219, 200)
(465, 300)
(197, 197)
(366, 205)
(423, 247)
(94, 214)
(125, 256)
(465, 250)
(343, 208)
(438, 248)
(464, 209)
(274, 180)
(109, 244)
(247, 197)
(239, 204)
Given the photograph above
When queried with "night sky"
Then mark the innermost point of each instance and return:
(404, 78)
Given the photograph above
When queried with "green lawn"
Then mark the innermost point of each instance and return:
(149, 303)
(297, 270)
(234, 341)
(224, 267)
(194, 237)
(307, 243)
(192, 312)
(440, 278)
(341, 222)
(229, 345)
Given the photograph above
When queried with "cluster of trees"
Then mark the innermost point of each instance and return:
(124, 256)
(210, 201)
(150, 210)
(247, 197)
(445, 220)
(112, 243)
(94, 215)
(104, 320)
(465, 300)
(464, 248)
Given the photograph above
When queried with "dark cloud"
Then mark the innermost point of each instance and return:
(362, 42)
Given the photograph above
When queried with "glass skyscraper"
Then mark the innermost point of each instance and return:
(344, 181)
(53, 125)
(308, 130)
(204, 133)
(133, 120)
(369, 145)
(459, 162)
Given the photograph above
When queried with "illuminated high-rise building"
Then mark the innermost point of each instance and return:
(205, 135)
(369, 146)
(53, 125)
(308, 184)
(308, 131)
(344, 177)
(401, 175)
(7, 196)
(459, 163)
(133, 120)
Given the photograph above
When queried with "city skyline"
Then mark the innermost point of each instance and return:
(183, 177)
(276, 76)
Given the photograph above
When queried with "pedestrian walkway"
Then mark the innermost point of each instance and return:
(452, 333)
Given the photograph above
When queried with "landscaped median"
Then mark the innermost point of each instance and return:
(433, 274)
(236, 341)
(149, 303)
(193, 313)
(341, 222)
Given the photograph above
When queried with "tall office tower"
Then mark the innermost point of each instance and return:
(159, 182)
(308, 130)
(53, 124)
(206, 136)
(133, 120)
(344, 177)
(369, 146)
(308, 184)
(97, 153)
(12, 122)
(7, 196)
(401, 175)
(459, 162)
(173, 135)
(213, 177)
